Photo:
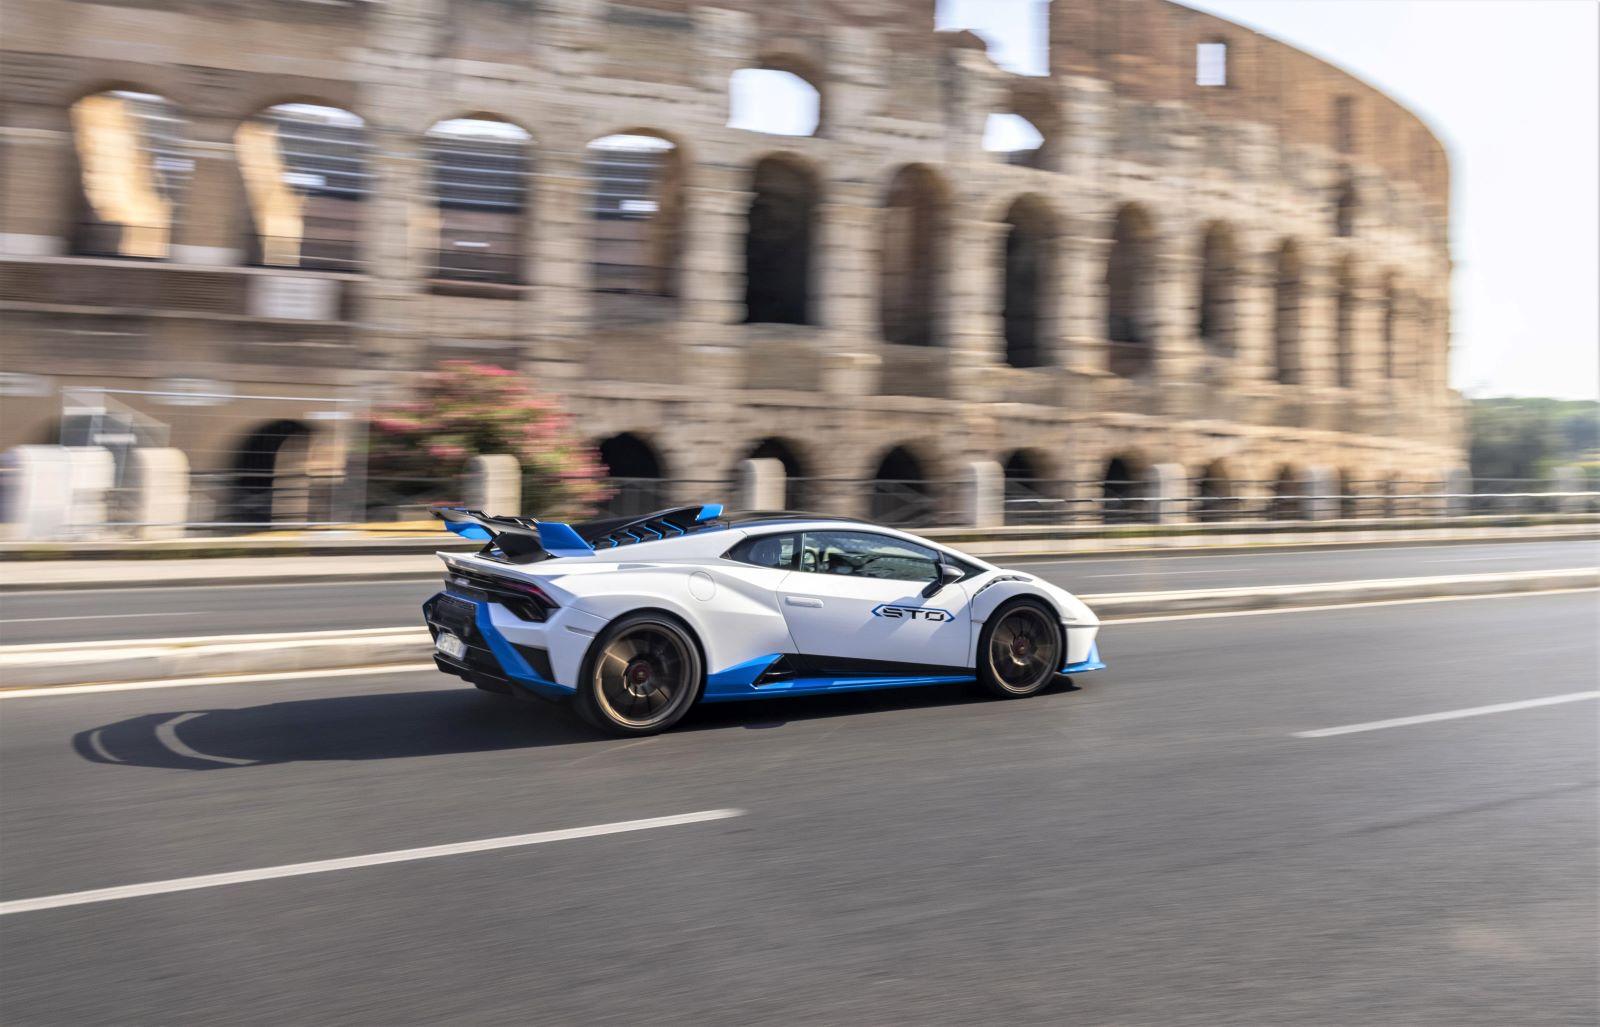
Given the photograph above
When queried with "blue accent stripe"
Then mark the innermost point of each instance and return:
(466, 529)
(1092, 663)
(511, 661)
(560, 540)
(709, 512)
(740, 675)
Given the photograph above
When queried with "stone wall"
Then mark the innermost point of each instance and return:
(1290, 153)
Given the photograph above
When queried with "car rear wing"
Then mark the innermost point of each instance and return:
(526, 539)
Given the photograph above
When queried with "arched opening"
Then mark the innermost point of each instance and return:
(637, 230)
(1028, 278)
(796, 484)
(911, 293)
(133, 164)
(305, 175)
(1015, 137)
(636, 475)
(271, 480)
(1130, 300)
(1216, 493)
(1125, 492)
(1391, 328)
(1344, 326)
(900, 491)
(1344, 210)
(776, 98)
(1218, 272)
(1031, 496)
(1288, 495)
(779, 234)
(1286, 293)
(480, 168)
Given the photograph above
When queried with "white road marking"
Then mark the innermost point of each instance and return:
(99, 746)
(220, 679)
(167, 735)
(1159, 618)
(322, 866)
(103, 616)
(1429, 718)
(1334, 549)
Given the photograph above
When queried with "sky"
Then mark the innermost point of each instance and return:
(1512, 87)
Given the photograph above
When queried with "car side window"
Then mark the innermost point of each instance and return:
(775, 551)
(866, 555)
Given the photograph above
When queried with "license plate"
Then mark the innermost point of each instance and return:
(450, 645)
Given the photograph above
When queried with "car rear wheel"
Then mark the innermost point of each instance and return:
(1019, 650)
(642, 675)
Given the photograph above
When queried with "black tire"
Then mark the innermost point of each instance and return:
(1019, 650)
(641, 676)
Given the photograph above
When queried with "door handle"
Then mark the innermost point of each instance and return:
(802, 601)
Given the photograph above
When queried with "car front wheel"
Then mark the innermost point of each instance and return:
(642, 675)
(1019, 650)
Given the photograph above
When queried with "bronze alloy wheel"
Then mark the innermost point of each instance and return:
(645, 676)
(1024, 650)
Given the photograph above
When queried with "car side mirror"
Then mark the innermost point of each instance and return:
(947, 575)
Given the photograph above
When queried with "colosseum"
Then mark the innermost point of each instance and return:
(1222, 274)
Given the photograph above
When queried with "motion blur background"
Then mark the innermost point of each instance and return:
(1131, 262)
(1268, 327)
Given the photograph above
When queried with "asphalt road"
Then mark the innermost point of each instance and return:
(176, 612)
(1154, 846)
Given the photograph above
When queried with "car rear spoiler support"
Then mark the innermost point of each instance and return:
(526, 539)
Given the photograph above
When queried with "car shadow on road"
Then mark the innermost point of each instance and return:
(399, 725)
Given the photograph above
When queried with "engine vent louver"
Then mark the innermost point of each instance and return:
(778, 670)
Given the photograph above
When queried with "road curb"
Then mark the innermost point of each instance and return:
(75, 663)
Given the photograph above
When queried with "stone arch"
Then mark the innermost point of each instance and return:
(1032, 491)
(1216, 313)
(131, 167)
(912, 257)
(1028, 279)
(1216, 492)
(270, 474)
(780, 234)
(306, 179)
(1344, 324)
(636, 472)
(1289, 502)
(900, 491)
(796, 470)
(636, 236)
(778, 94)
(1288, 292)
(1125, 490)
(480, 166)
(1131, 315)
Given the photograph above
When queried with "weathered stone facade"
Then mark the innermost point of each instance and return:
(1286, 236)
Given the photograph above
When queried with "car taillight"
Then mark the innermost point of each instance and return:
(524, 599)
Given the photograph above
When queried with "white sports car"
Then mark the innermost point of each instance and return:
(634, 620)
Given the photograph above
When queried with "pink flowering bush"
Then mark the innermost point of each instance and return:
(462, 409)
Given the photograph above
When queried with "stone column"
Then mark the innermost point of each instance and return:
(36, 184)
(1321, 485)
(761, 484)
(1083, 281)
(159, 481)
(493, 483)
(718, 200)
(1168, 485)
(212, 212)
(973, 330)
(986, 484)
